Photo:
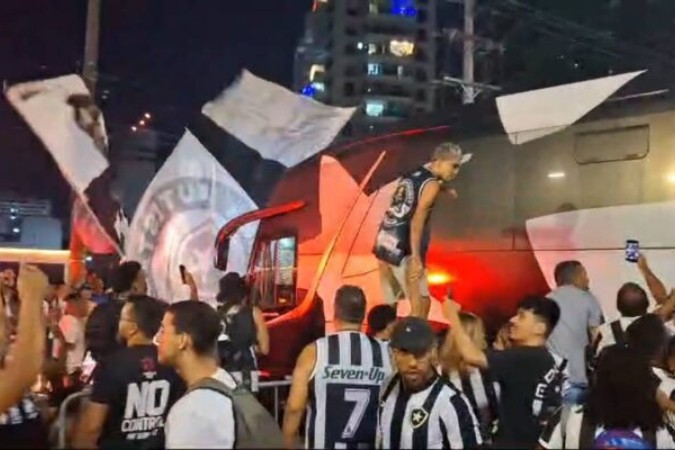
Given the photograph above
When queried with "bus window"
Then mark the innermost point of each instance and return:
(273, 272)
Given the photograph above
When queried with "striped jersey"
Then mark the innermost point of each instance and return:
(437, 417)
(667, 386)
(482, 392)
(344, 391)
(575, 431)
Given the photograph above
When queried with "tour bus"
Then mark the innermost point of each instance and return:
(529, 198)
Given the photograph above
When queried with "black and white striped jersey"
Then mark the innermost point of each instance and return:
(573, 432)
(438, 417)
(344, 391)
(482, 392)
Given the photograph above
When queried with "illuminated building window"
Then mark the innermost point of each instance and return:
(375, 108)
(374, 69)
(315, 70)
(314, 87)
(403, 8)
(372, 49)
(318, 3)
(308, 90)
(401, 48)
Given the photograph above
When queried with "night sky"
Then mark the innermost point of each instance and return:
(166, 57)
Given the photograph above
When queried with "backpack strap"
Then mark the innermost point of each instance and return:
(212, 384)
(618, 333)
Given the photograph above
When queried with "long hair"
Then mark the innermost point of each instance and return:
(474, 327)
(624, 393)
(232, 291)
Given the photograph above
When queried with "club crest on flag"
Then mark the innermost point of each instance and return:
(191, 197)
(178, 229)
(418, 417)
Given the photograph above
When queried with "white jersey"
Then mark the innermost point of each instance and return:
(344, 390)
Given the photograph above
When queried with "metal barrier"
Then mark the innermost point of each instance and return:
(276, 385)
(61, 421)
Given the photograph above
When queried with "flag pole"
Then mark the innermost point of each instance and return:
(76, 266)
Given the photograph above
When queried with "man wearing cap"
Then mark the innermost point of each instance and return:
(420, 409)
(337, 380)
(403, 238)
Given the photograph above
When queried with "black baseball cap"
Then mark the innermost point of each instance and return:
(413, 335)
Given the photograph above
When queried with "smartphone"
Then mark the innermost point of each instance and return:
(88, 366)
(182, 273)
(632, 250)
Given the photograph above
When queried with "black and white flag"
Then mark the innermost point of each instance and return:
(227, 164)
(61, 112)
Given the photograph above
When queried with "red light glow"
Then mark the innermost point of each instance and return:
(437, 278)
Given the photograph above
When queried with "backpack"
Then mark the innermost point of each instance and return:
(239, 326)
(255, 426)
(551, 398)
(100, 331)
(614, 438)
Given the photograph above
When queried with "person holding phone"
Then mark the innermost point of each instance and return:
(189, 280)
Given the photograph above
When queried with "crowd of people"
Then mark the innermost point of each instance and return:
(56, 340)
(175, 376)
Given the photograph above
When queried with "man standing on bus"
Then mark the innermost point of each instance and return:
(404, 234)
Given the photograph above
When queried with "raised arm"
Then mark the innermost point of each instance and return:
(24, 361)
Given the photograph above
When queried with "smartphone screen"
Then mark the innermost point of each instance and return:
(632, 250)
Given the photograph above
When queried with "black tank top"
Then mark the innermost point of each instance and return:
(393, 238)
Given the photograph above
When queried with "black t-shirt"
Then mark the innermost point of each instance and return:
(22, 427)
(524, 375)
(139, 393)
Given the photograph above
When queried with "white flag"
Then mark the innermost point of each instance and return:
(176, 222)
(44, 105)
(62, 114)
(226, 165)
(277, 123)
(530, 115)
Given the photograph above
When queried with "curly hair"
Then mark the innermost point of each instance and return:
(624, 392)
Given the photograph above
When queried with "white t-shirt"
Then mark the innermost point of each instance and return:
(73, 332)
(202, 418)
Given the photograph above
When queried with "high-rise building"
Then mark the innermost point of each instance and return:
(28, 223)
(378, 54)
